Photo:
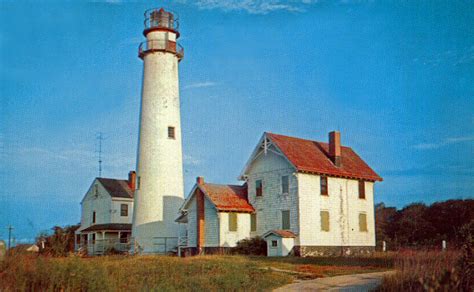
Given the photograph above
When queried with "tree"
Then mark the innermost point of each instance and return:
(59, 243)
(383, 219)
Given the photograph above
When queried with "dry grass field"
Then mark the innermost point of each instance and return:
(121, 273)
(430, 271)
(415, 272)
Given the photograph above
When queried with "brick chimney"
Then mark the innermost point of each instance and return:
(132, 180)
(335, 147)
(200, 180)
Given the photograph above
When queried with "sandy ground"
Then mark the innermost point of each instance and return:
(356, 282)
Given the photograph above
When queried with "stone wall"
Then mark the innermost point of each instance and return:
(323, 251)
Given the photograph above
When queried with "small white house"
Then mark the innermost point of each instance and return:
(279, 242)
(320, 193)
(106, 220)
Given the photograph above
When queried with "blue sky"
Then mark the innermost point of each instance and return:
(395, 77)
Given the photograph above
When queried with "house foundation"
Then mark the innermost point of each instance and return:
(332, 251)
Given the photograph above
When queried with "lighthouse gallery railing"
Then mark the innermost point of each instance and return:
(150, 46)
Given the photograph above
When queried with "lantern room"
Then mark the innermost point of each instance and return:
(161, 31)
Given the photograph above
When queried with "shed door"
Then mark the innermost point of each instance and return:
(274, 247)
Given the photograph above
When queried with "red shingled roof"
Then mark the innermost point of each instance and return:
(228, 198)
(281, 233)
(313, 157)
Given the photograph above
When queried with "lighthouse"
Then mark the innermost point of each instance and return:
(159, 187)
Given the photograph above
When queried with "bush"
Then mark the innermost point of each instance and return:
(251, 246)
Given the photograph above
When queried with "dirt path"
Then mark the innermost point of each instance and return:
(356, 282)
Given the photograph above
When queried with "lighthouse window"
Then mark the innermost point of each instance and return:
(171, 133)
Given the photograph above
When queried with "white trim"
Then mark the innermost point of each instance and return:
(256, 152)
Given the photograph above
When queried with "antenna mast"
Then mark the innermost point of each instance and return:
(100, 138)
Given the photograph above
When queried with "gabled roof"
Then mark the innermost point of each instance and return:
(109, 227)
(313, 157)
(117, 188)
(281, 233)
(228, 198)
(225, 198)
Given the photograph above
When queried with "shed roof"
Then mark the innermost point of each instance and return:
(313, 157)
(281, 233)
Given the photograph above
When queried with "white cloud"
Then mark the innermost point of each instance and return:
(445, 142)
(190, 160)
(254, 6)
(200, 84)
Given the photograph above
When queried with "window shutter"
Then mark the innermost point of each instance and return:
(285, 220)
(285, 189)
(324, 220)
(363, 222)
(253, 222)
(232, 221)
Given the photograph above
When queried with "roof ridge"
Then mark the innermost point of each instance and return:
(233, 185)
(304, 139)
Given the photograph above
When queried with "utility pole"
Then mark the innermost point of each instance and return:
(10, 228)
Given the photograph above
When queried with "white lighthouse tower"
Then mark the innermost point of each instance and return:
(159, 192)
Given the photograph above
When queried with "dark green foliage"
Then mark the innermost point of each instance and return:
(421, 226)
(251, 246)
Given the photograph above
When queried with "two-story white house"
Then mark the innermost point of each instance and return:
(304, 197)
(106, 219)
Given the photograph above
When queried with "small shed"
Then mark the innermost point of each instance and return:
(279, 242)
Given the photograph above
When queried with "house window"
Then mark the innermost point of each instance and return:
(138, 182)
(123, 210)
(253, 222)
(274, 243)
(285, 181)
(324, 220)
(171, 133)
(93, 217)
(324, 185)
(361, 189)
(96, 190)
(259, 187)
(232, 221)
(363, 222)
(93, 237)
(285, 220)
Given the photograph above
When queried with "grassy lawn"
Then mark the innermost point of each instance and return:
(120, 273)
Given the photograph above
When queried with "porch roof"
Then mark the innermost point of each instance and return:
(109, 227)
